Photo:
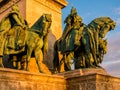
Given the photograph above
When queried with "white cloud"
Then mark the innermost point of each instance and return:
(111, 60)
(113, 68)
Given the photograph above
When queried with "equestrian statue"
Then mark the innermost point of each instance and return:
(84, 44)
(19, 41)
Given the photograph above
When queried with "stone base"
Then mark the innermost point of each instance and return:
(90, 79)
(22, 80)
(81, 72)
(87, 80)
(93, 82)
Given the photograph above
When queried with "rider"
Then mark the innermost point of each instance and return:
(12, 27)
(71, 37)
(72, 31)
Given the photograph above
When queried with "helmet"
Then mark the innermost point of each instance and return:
(73, 11)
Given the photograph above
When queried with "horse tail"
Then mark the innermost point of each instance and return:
(56, 58)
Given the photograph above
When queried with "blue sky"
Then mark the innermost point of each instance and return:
(91, 9)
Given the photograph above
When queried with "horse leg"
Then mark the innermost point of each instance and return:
(62, 64)
(18, 65)
(29, 52)
(23, 60)
(14, 61)
(68, 59)
(18, 62)
(65, 61)
(1, 63)
(37, 57)
(56, 64)
(67, 64)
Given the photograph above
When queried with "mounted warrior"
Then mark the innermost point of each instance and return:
(12, 34)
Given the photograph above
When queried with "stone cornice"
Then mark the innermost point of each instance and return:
(7, 5)
(55, 5)
(62, 2)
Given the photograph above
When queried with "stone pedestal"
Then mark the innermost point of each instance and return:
(73, 80)
(21, 80)
(93, 82)
(81, 72)
(90, 79)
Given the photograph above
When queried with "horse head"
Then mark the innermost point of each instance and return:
(46, 23)
(42, 25)
(104, 25)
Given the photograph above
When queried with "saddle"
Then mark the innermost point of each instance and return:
(16, 38)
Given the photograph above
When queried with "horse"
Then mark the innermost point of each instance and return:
(93, 45)
(35, 40)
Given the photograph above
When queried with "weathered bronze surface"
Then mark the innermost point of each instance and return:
(19, 41)
(84, 44)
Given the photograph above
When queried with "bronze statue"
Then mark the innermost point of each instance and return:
(12, 29)
(93, 46)
(24, 40)
(69, 40)
(84, 44)
(71, 34)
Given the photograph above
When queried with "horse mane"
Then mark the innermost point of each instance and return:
(37, 24)
(101, 21)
